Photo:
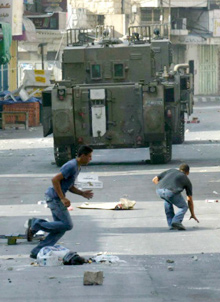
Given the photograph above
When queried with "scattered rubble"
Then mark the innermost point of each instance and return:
(194, 120)
(41, 202)
(10, 268)
(106, 258)
(170, 268)
(170, 261)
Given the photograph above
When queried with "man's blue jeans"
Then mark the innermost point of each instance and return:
(171, 199)
(56, 229)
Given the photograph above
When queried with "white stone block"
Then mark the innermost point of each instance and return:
(93, 278)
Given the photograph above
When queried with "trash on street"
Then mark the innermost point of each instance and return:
(51, 255)
(123, 204)
(105, 258)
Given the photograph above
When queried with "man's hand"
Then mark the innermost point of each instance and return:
(155, 180)
(87, 194)
(66, 202)
(191, 208)
(194, 217)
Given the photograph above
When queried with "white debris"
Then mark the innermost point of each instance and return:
(40, 233)
(41, 202)
(107, 259)
(88, 181)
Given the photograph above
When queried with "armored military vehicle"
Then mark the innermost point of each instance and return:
(117, 94)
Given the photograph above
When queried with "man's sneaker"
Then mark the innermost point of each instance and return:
(29, 233)
(33, 256)
(178, 226)
(172, 228)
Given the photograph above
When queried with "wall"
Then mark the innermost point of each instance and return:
(118, 21)
(215, 22)
(191, 54)
(12, 66)
(98, 7)
(186, 3)
(218, 70)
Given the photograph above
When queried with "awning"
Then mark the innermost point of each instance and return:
(29, 31)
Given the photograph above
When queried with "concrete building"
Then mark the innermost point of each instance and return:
(45, 38)
(195, 33)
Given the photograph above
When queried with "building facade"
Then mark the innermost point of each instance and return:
(192, 26)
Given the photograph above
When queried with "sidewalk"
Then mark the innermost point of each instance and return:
(206, 98)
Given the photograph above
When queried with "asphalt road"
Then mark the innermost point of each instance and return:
(140, 237)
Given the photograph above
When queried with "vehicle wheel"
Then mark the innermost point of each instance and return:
(161, 152)
(64, 153)
(74, 150)
(179, 136)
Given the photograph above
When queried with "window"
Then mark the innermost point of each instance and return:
(150, 14)
(169, 95)
(96, 71)
(101, 19)
(119, 70)
(156, 15)
(51, 55)
(146, 14)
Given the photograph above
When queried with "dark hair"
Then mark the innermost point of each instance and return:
(84, 150)
(184, 168)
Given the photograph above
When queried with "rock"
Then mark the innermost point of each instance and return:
(10, 268)
(170, 268)
(170, 261)
(93, 278)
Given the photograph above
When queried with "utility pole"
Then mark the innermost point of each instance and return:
(169, 23)
(162, 26)
(41, 45)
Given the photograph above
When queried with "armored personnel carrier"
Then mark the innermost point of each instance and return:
(118, 94)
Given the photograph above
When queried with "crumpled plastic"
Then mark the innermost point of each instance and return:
(52, 255)
(125, 204)
(107, 259)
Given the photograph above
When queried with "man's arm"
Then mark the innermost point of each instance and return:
(191, 208)
(86, 194)
(57, 187)
(155, 180)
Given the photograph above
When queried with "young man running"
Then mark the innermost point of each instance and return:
(58, 202)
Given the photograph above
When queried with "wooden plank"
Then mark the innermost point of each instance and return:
(12, 238)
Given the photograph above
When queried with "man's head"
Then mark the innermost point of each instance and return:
(184, 168)
(85, 154)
